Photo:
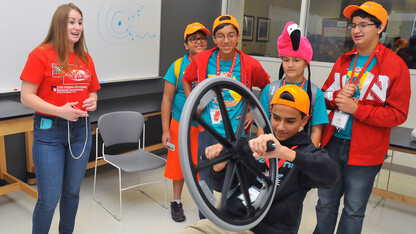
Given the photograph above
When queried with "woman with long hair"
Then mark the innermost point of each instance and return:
(59, 82)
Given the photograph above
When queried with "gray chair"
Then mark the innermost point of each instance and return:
(126, 127)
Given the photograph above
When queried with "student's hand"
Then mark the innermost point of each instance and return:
(199, 111)
(166, 138)
(259, 146)
(348, 90)
(346, 104)
(260, 131)
(90, 104)
(70, 112)
(212, 152)
(249, 120)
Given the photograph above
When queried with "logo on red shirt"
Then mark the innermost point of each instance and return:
(77, 75)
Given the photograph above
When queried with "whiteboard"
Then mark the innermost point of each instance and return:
(122, 36)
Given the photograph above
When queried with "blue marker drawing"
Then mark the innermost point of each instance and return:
(121, 22)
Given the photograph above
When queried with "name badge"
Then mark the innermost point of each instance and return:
(216, 116)
(340, 120)
(253, 192)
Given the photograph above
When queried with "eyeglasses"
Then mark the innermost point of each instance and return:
(194, 40)
(230, 36)
(360, 26)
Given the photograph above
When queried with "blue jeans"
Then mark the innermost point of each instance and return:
(204, 140)
(355, 183)
(58, 174)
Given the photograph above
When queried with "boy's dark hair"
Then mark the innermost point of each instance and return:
(223, 25)
(289, 97)
(189, 35)
(364, 14)
(372, 18)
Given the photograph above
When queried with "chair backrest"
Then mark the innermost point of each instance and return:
(121, 127)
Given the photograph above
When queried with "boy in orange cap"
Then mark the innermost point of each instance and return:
(195, 41)
(368, 93)
(227, 61)
(302, 166)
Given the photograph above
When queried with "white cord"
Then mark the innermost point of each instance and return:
(86, 139)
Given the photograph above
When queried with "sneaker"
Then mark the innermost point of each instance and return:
(177, 212)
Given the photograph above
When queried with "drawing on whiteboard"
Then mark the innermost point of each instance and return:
(122, 22)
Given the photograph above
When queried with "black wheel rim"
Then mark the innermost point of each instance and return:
(217, 212)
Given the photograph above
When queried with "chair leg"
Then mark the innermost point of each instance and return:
(95, 166)
(95, 179)
(117, 217)
(165, 205)
(119, 187)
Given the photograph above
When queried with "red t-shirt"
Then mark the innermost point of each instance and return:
(55, 85)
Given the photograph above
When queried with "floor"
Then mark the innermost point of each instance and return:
(142, 215)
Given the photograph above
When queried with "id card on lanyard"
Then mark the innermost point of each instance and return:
(215, 113)
(340, 118)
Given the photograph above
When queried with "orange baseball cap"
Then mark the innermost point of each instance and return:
(232, 21)
(371, 8)
(194, 27)
(301, 102)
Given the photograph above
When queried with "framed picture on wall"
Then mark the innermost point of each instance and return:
(263, 29)
(248, 28)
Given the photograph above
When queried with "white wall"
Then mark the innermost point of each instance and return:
(278, 14)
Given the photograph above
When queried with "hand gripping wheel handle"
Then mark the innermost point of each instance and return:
(234, 152)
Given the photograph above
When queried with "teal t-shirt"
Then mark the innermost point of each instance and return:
(180, 98)
(234, 105)
(346, 133)
(319, 114)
